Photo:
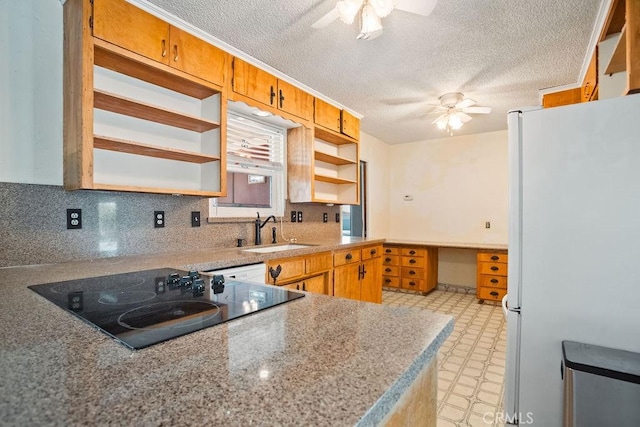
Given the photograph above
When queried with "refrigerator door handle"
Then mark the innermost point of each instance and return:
(505, 306)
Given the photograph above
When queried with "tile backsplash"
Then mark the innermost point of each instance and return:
(33, 225)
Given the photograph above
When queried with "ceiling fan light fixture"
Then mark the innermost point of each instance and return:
(455, 122)
(370, 24)
(383, 7)
(348, 9)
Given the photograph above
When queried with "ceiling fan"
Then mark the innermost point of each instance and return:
(455, 109)
(371, 12)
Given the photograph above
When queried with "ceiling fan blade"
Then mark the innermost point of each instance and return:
(464, 117)
(326, 19)
(419, 7)
(476, 110)
(467, 102)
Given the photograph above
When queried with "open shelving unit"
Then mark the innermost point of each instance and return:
(134, 124)
(623, 22)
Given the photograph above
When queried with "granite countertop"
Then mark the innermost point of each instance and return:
(318, 360)
(454, 245)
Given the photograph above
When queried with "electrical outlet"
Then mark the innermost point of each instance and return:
(337, 216)
(158, 219)
(195, 219)
(325, 217)
(294, 216)
(74, 219)
(299, 216)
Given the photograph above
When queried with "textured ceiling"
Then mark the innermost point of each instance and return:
(497, 52)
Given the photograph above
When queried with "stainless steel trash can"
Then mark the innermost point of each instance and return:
(601, 386)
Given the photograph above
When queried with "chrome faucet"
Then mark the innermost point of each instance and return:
(259, 227)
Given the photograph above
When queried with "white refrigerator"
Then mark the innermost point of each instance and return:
(574, 245)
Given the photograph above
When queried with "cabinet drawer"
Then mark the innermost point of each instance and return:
(392, 282)
(413, 262)
(494, 294)
(391, 270)
(390, 260)
(290, 269)
(371, 252)
(414, 252)
(346, 257)
(412, 273)
(492, 268)
(492, 257)
(388, 250)
(413, 284)
(485, 280)
(315, 263)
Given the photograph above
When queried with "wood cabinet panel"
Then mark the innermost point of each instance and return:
(492, 271)
(492, 257)
(326, 115)
(391, 250)
(294, 100)
(493, 268)
(418, 269)
(254, 83)
(346, 282)
(125, 25)
(390, 260)
(348, 256)
(565, 97)
(196, 57)
(390, 270)
(413, 262)
(493, 294)
(350, 125)
(486, 280)
(316, 263)
(414, 285)
(391, 282)
(590, 83)
(413, 252)
(371, 252)
(317, 284)
(370, 287)
(290, 268)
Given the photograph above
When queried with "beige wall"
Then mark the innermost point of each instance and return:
(457, 184)
(376, 154)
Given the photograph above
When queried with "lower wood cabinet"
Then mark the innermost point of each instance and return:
(491, 275)
(410, 267)
(356, 273)
(311, 273)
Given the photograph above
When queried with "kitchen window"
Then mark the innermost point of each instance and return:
(255, 170)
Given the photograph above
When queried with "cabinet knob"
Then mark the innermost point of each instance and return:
(412, 252)
(495, 257)
(412, 261)
(349, 256)
(412, 272)
(304, 286)
(387, 259)
(412, 283)
(494, 280)
(494, 268)
(387, 280)
(387, 251)
(388, 270)
(373, 252)
(493, 293)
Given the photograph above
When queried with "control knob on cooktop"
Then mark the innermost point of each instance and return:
(217, 284)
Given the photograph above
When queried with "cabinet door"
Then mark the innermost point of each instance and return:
(350, 125)
(196, 57)
(590, 80)
(346, 281)
(290, 268)
(326, 115)
(294, 101)
(254, 83)
(316, 263)
(317, 284)
(370, 284)
(123, 24)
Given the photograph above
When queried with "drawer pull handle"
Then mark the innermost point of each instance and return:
(494, 268)
(373, 252)
(494, 280)
(387, 280)
(349, 256)
(388, 270)
(412, 283)
(387, 260)
(412, 252)
(412, 261)
(493, 293)
(495, 258)
(388, 251)
(272, 95)
(412, 272)
(164, 48)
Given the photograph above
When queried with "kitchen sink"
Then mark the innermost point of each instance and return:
(269, 249)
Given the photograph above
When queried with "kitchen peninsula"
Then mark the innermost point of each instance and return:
(318, 360)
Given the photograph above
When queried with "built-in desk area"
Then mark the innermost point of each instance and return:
(413, 265)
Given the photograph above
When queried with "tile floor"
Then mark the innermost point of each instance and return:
(471, 361)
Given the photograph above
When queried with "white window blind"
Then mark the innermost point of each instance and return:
(253, 144)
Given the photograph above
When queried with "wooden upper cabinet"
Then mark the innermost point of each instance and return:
(123, 24)
(294, 100)
(327, 115)
(589, 88)
(254, 83)
(350, 125)
(196, 57)
(257, 84)
(129, 27)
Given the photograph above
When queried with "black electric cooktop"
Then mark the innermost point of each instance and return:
(147, 307)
